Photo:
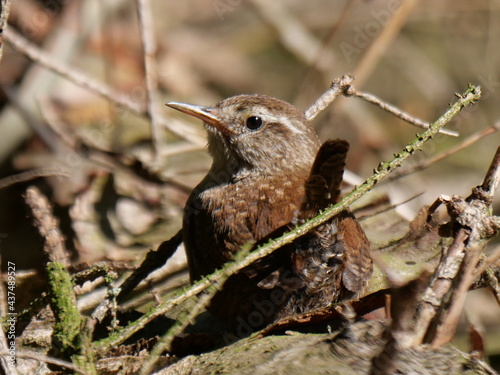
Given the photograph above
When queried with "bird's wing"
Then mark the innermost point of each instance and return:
(322, 188)
(358, 265)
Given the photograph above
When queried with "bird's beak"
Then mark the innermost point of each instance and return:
(206, 114)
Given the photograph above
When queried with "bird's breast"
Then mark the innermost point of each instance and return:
(219, 220)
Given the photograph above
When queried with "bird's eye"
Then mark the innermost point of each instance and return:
(254, 122)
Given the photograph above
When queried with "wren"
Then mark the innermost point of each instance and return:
(270, 173)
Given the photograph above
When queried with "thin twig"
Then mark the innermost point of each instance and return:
(47, 225)
(344, 86)
(384, 168)
(61, 42)
(165, 342)
(41, 57)
(38, 55)
(492, 178)
(45, 359)
(369, 61)
(443, 155)
(338, 87)
(149, 46)
(31, 175)
(432, 298)
(388, 208)
(351, 91)
(4, 16)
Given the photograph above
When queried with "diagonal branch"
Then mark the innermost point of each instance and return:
(33, 174)
(394, 111)
(41, 57)
(343, 86)
(29, 49)
(492, 178)
(338, 87)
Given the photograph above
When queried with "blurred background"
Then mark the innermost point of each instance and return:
(82, 112)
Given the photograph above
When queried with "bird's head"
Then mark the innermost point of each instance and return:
(256, 134)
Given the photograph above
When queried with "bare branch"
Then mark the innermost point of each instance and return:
(47, 225)
(38, 55)
(4, 15)
(351, 91)
(446, 329)
(45, 359)
(41, 57)
(492, 178)
(338, 87)
(440, 286)
(31, 175)
(343, 86)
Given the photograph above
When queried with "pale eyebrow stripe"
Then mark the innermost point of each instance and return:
(281, 119)
(289, 124)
